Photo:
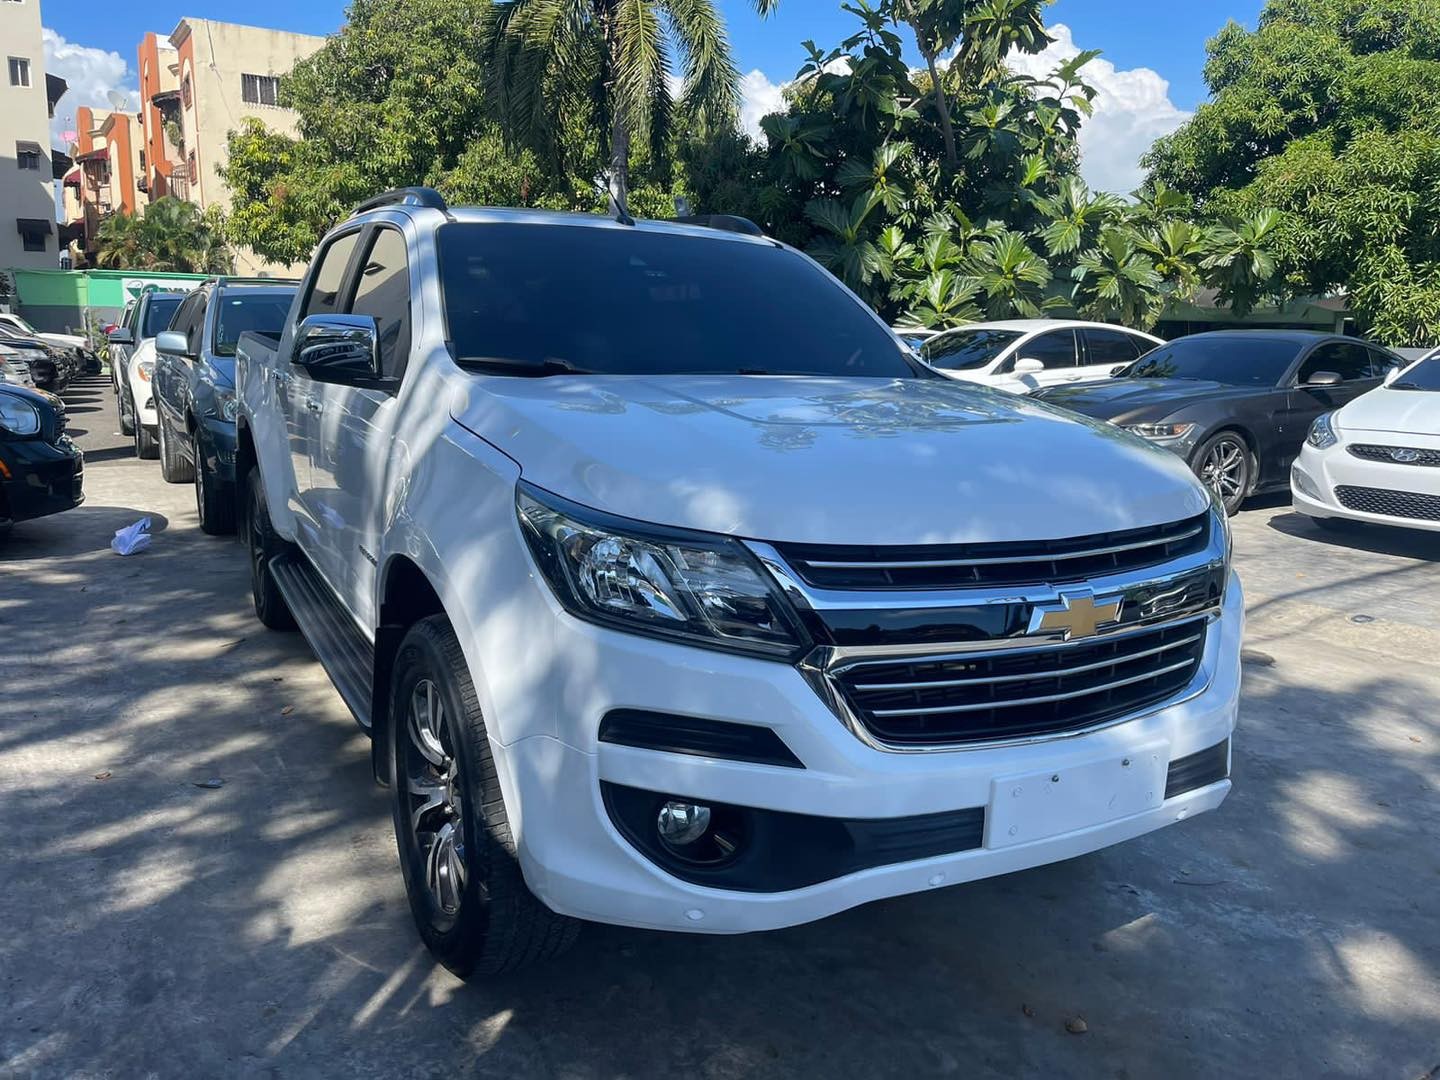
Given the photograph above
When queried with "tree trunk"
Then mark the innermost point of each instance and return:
(942, 106)
(619, 185)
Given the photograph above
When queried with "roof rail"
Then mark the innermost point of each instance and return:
(727, 222)
(406, 196)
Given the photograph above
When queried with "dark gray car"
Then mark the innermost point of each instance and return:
(1235, 404)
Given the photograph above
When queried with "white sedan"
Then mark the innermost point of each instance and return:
(1377, 459)
(1021, 355)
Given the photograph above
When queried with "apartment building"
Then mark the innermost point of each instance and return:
(195, 89)
(28, 237)
(104, 178)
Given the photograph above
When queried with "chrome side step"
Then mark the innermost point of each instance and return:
(342, 650)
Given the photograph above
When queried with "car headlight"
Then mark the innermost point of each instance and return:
(1159, 432)
(1322, 432)
(699, 588)
(225, 404)
(145, 369)
(18, 417)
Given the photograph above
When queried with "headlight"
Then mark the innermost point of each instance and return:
(1322, 432)
(18, 417)
(144, 369)
(225, 404)
(1160, 432)
(699, 588)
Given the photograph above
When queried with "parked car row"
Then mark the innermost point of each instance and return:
(41, 470)
(32, 361)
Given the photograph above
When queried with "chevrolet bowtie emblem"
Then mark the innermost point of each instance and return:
(1079, 615)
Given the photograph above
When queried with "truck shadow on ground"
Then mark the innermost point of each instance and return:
(260, 926)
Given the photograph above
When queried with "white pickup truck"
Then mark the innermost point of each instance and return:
(675, 593)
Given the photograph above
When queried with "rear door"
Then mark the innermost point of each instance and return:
(300, 395)
(353, 450)
(1106, 349)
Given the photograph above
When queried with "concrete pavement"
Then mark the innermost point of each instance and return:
(150, 926)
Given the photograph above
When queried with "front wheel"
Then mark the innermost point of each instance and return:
(145, 445)
(1225, 465)
(122, 406)
(468, 896)
(263, 544)
(174, 469)
(214, 504)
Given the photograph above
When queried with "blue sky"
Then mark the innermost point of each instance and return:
(1150, 73)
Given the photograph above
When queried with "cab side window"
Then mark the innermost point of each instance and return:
(382, 290)
(329, 277)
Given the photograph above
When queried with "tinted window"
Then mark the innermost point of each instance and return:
(966, 350)
(158, 312)
(186, 317)
(239, 310)
(1382, 362)
(1239, 360)
(636, 302)
(1423, 376)
(324, 298)
(1346, 359)
(383, 290)
(1111, 347)
(1055, 350)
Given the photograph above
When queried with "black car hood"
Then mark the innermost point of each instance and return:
(1150, 399)
(39, 398)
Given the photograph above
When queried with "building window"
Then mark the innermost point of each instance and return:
(194, 167)
(19, 71)
(260, 89)
(27, 156)
(185, 91)
(33, 232)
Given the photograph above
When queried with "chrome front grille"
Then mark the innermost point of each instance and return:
(1395, 455)
(1017, 692)
(959, 566)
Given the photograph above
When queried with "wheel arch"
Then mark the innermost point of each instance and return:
(406, 595)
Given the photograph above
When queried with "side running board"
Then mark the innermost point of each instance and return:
(343, 652)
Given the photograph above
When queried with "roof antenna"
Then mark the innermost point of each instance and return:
(617, 201)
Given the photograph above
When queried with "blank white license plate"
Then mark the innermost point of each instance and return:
(1037, 805)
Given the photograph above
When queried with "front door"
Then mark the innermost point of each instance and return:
(1357, 367)
(1056, 349)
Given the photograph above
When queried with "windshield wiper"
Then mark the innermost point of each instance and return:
(1407, 385)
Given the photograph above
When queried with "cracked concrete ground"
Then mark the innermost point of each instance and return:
(152, 927)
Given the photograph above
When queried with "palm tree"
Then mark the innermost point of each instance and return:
(613, 55)
(173, 235)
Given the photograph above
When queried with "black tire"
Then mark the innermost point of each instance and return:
(145, 445)
(174, 469)
(264, 544)
(490, 922)
(1227, 467)
(122, 406)
(214, 501)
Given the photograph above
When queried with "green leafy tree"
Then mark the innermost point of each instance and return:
(1325, 113)
(1011, 277)
(1116, 282)
(613, 57)
(172, 235)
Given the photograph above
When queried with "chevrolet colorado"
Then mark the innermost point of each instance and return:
(664, 609)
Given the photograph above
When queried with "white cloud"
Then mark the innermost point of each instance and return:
(759, 98)
(1132, 110)
(91, 74)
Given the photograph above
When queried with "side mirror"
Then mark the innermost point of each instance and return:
(174, 343)
(1324, 378)
(121, 336)
(1028, 366)
(339, 349)
(1392, 375)
(1117, 369)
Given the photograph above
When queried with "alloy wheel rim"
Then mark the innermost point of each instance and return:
(434, 800)
(1224, 469)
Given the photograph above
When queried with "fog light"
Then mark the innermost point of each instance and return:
(681, 823)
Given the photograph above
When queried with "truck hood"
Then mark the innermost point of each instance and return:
(1411, 412)
(806, 460)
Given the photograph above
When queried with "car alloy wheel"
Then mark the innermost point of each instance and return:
(1225, 468)
(434, 789)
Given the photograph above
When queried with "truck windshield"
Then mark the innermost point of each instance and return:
(261, 310)
(157, 314)
(527, 299)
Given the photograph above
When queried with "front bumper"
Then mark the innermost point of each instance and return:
(217, 448)
(1316, 474)
(40, 478)
(577, 860)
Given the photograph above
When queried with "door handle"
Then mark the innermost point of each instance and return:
(312, 404)
(280, 377)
